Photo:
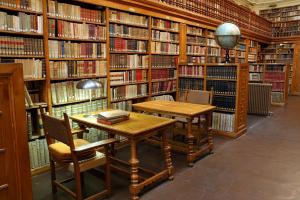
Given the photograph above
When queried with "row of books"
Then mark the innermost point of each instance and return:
(65, 29)
(194, 30)
(187, 70)
(190, 84)
(212, 51)
(255, 77)
(252, 50)
(195, 39)
(163, 86)
(39, 155)
(159, 74)
(196, 59)
(165, 24)
(221, 72)
(128, 91)
(195, 50)
(118, 30)
(240, 54)
(277, 86)
(79, 108)
(253, 44)
(122, 105)
(95, 135)
(274, 76)
(129, 61)
(212, 42)
(158, 61)
(210, 34)
(68, 49)
(277, 97)
(252, 58)
(213, 59)
(226, 103)
(163, 97)
(223, 121)
(221, 87)
(21, 22)
(34, 5)
(127, 18)
(240, 47)
(32, 68)
(74, 12)
(123, 45)
(128, 77)
(165, 36)
(167, 48)
(21, 46)
(65, 92)
(69, 69)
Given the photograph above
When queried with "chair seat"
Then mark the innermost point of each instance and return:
(90, 163)
(62, 153)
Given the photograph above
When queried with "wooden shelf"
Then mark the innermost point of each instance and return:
(229, 95)
(195, 34)
(127, 69)
(127, 99)
(220, 79)
(166, 54)
(196, 44)
(77, 40)
(166, 30)
(196, 54)
(34, 79)
(40, 170)
(22, 33)
(21, 56)
(129, 83)
(79, 101)
(186, 76)
(172, 42)
(158, 68)
(8, 8)
(75, 59)
(77, 78)
(163, 80)
(36, 106)
(128, 37)
(128, 52)
(128, 24)
(224, 110)
(77, 21)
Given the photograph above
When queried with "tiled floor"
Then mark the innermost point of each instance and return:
(263, 164)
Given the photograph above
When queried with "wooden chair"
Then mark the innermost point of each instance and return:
(77, 155)
(197, 97)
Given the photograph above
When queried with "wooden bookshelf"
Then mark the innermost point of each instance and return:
(233, 97)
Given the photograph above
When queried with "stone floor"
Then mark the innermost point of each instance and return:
(263, 164)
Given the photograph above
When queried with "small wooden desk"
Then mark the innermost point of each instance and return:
(188, 111)
(138, 127)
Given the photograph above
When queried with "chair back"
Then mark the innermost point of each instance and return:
(199, 97)
(182, 95)
(58, 129)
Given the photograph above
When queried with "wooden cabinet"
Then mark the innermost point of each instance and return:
(15, 180)
(296, 71)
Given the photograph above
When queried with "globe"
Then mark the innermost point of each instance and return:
(227, 36)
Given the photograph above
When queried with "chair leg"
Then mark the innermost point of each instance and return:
(53, 176)
(78, 184)
(107, 172)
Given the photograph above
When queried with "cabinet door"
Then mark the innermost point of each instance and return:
(15, 183)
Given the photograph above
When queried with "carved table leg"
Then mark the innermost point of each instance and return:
(209, 132)
(134, 171)
(167, 154)
(190, 140)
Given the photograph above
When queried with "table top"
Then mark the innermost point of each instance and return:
(174, 108)
(137, 124)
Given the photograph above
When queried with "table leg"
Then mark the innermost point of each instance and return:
(190, 141)
(134, 171)
(167, 154)
(209, 132)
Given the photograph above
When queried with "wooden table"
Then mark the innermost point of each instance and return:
(188, 111)
(138, 127)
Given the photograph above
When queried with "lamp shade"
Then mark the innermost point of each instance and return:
(88, 84)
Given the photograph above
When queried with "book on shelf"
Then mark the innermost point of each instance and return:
(127, 18)
(122, 105)
(194, 30)
(120, 30)
(158, 61)
(126, 45)
(165, 24)
(128, 77)
(21, 46)
(195, 50)
(77, 69)
(75, 12)
(190, 84)
(225, 103)
(112, 116)
(196, 59)
(68, 49)
(159, 74)
(163, 86)
(255, 76)
(71, 30)
(193, 70)
(221, 72)
(221, 87)
(128, 91)
(30, 5)
(165, 36)
(129, 61)
(196, 40)
(39, 155)
(21, 22)
(165, 48)
(223, 121)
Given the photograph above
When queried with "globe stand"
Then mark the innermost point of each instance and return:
(227, 58)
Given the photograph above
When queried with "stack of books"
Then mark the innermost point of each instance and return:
(112, 116)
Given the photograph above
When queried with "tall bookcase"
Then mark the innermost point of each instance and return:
(276, 74)
(229, 83)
